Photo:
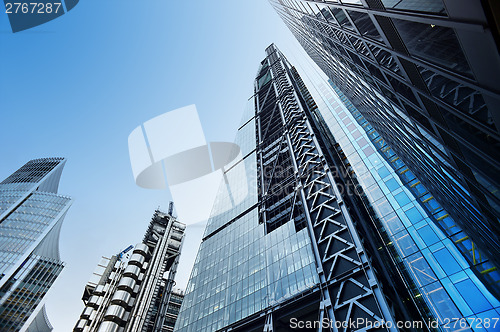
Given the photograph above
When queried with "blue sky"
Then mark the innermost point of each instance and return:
(77, 86)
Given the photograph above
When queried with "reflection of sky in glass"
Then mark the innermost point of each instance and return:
(238, 188)
(240, 269)
(253, 271)
(425, 250)
(22, 228)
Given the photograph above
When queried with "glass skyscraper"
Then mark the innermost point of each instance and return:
(328, 232)
(31, 216)
(433, 265)
(424, 77)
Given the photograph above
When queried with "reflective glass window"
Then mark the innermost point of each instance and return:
(414, 215)
(362, 142)
(368, 151)
(429, 6)
(433, 43)
(365, 25)
(383, 172)
(428, 235)
(447, 261)
(402, 198)
(443, 305)
(392, 184)
(393, 223)
(472, 295)
(421, 269)
(341, 18)
(352, 2)
(405, 243)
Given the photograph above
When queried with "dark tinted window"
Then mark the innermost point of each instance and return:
(433, 43)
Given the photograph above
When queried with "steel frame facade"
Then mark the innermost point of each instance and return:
(348, 286)
(134, 294)
(441, 120)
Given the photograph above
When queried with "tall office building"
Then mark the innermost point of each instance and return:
(424, 75)
(31, 217)
(431, 261)
(134, 294)
(327, 235)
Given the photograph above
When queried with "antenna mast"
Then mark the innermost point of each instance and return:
(171, 208)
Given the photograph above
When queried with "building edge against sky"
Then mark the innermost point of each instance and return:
(31, 217)
(424, 75)
(40, 322)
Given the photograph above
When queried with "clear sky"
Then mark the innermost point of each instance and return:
(77, 86)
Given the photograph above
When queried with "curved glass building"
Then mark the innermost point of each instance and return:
(31, 216)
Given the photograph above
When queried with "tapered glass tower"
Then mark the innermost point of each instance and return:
(329, 237)
(31, 216)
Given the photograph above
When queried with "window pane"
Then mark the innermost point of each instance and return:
(429, 6)
(433, 43)
(341, 18)
(365, 25)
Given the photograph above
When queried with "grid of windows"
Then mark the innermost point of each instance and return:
(240, 270)
(253, 266)
(430, 260)
(33, 171)
(422, 73)
(31, 214)
(24, 226)
(480, 264)
(33, 281)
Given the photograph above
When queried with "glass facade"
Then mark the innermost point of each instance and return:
(292, 250)
(31, 216)
(239, 271)
(274, 258)
(174, 305)
(423, 75)
(434, 266)
(40, 323)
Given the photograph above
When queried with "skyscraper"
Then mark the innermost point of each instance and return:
(443, 282)
(31, 217)
(328, 231)
(134, 293)
(424, 75)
